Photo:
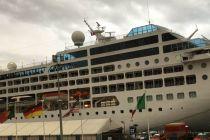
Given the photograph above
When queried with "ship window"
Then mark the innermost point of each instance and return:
(125, 56)
(17, 82)
(191, 79)
(137, 73)
(146, 62)
(178, 46)
(172, 69)
(109, 68)
(112, 88)
(95, 79)
(119, 66)
(169, 96)
(120, 87)
(124, 45)
(149, 98)
(160, 109)
(130, 86)
(158, 83)
(103, 78)
(166, 59)
(53, 76)
(10, 83)
(129, 75)
(203, 65)
(138, 85)
(159, 97)
(204, 77)
(180, 95)
(148, 84)
(43, 78)
(168, 70)
(34, 79)
(148, 72)
(167, 37)
(179, 80)
(169, 82)
(112, 77)
(120, 76)
(87, 113)
(150, 109)
(103, 89)
(113, 112)
(128, 65)
(73, 73)
(72, 82)
(96, 70)
(25, 80)
(137, 64)
(96, 90)
(97, 113)
(156, 61)
(84, 72)
(122, 111)
(130, 99)
(190, 67)
(192, 94)
(178, 68)
(105, 112)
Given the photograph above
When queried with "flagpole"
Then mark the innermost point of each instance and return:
(43, 123)
(81, 118)
(15, 121)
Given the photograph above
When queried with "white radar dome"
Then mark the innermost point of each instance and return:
(11, 66)
(78, 38)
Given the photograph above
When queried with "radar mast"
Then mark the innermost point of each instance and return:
(98, 32)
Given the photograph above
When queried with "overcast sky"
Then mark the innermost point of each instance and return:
(30, 30)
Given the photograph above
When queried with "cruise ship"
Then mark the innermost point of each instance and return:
(111, 74)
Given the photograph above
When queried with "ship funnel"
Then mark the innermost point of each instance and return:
(78, 38)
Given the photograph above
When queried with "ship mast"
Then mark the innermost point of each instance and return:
(98, 32)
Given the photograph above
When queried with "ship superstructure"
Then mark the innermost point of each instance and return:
(112, 74)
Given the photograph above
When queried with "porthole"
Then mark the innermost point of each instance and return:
(39, 116)
(166, 59)
(150, 109)
(21, 118)
(170, 108)
(96, 113)
(128, 65)
(87, 113)
(121, 111)
(52, 116)
(156, 61)
(119, 66)
(130, 110)
(205, 77)
(146, 62)
(137, 64)
(72, 114)
(160, 109)
(203, 65)
(45, 116)
(113, 112)
(105, 112)
(80, 114)
(190, 67)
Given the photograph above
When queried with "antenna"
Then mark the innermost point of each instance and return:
(148, 12)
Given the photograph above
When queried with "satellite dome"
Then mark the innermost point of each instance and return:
(78, 38)
(11, 66)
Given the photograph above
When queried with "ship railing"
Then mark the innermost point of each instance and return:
(69, 46)
(37, 64)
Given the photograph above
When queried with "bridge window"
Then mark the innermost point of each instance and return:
(168, 36)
